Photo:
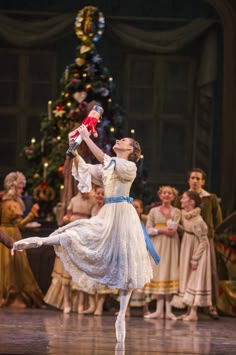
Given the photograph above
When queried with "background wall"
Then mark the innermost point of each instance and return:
(148, 15)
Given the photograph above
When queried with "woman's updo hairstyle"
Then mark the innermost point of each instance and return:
(135, 155)
(11, 183)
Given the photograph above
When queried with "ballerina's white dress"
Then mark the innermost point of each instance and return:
(108, 249)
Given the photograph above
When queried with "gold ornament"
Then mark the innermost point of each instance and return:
(80, 61)
(89, 24)
(43, 192)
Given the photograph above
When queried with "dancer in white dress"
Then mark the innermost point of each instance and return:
(108, 249)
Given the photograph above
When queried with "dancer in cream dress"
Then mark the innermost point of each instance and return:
(162, 224)
(108, 249)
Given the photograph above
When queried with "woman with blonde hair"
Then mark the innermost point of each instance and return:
(18, 287)
(162, 223)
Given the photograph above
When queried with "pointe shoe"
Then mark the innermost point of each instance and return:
(146, 313)
(80, 309)
(191, 317)
(127, 313)
(17, 304)
(88, 311)
(34, 242)
(213, 313)
(98, 312)
(120, 329)
(120, 349)
(183, 316)
(171, 316)
(154, 315)
(67, 310)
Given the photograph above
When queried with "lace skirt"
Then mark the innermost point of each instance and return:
(108, 249)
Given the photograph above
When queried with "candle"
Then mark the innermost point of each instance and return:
(132, 131)
(45, 165)
(66, 73)
(42, 145)
(49, 109)
(61, 192)
(33, 141)
(141, 164)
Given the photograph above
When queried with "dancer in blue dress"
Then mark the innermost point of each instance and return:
(108, 249)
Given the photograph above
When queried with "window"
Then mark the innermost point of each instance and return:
(27, 82)
(159, 103)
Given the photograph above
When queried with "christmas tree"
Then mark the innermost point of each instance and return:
(85, 82)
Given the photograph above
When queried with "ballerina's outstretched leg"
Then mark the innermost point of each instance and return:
(36, 242)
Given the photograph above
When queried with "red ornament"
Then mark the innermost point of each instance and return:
(233, 238)
(60, 171)
(59, 107)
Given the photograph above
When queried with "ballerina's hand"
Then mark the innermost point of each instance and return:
(84, 133)
(73, 135)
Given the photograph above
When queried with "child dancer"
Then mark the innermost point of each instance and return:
(162, 223)
(108, 249)
(195, 266)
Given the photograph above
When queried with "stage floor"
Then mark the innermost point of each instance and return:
(45, 331)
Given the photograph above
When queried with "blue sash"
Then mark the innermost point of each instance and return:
(116, 199)
(150, 246)
(148, 241)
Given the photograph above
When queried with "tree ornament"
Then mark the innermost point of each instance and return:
(80, 96)
(104, 92)
(80, 61)
(59, 111)
(43, 192)
(96, 58)
(85, 48)
(60, 171)
(89, 24)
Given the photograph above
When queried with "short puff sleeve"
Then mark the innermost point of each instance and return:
(125, 169)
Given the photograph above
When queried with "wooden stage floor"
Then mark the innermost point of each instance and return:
(45, 331)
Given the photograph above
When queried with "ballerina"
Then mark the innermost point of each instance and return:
(109, 248)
